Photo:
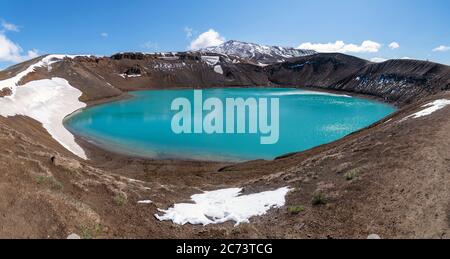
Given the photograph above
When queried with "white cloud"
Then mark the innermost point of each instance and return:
(12, 52)
(6, 26)
(9, 51)
(209, 38)
(378, 60)
(367, 46)
(189, 32)
(104, 34)
(33, 53)
(441, 48)
(394, 45)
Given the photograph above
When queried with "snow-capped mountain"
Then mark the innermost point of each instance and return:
(256, 53)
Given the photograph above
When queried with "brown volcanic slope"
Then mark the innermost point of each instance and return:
(187, 71)
(395, 81)
(392, 179)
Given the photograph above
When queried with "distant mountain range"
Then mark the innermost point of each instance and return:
(258, 54)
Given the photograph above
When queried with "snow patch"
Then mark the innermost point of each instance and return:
(129, 76)
(47, 61)
(224, 205)
(169, 66)
(432, 107)
(145, 202)
(48, 101)
(211, 60)
(218, 69)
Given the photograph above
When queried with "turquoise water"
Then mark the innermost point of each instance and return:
(142, 125)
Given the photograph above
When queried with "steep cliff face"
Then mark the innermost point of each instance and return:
(320, 70)
(396, 81)
(399, 81)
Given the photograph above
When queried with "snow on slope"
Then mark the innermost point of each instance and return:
(48, 101)
(218, 69)
(257, 53)
(213, 61)
(430, 108)
(224, 205)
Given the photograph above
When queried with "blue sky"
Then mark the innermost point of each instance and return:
(105, 27)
